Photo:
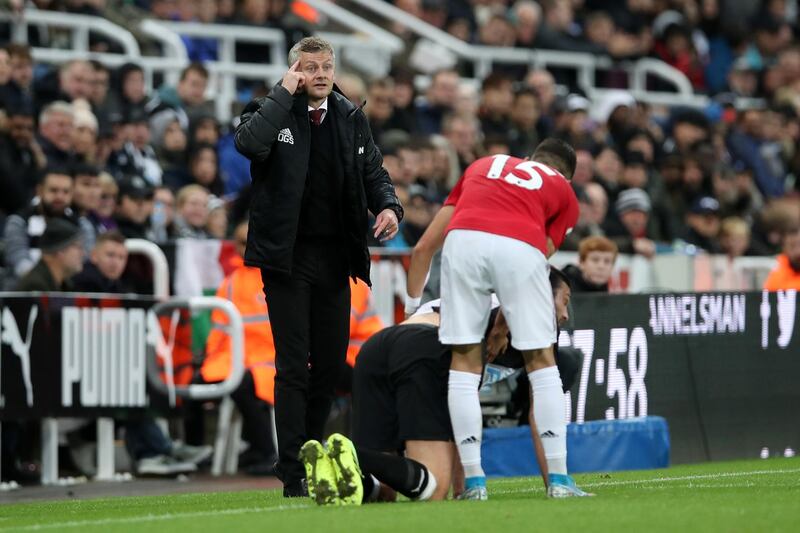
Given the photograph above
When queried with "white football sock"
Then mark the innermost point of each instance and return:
(467, 420)
(548, 412)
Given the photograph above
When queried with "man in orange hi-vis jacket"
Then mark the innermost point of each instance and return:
(787, 274)
(244, 288)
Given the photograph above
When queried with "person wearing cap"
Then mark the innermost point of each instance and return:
(137, 156)
(743, 78)
(629, 231)
(84, 132)
(702, 224)
(576, 126)
(134, 207)
(62, 257)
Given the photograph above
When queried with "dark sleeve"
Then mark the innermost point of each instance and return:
(261, 121)
(377, 183)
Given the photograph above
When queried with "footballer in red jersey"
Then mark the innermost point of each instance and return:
(502, 221)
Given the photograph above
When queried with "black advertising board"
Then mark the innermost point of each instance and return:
(722, 368)
(76, 356)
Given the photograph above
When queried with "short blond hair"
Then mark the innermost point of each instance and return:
(310, 45)
(185, 192)
(734, 226)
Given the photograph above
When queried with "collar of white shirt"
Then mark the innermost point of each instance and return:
(324, 107)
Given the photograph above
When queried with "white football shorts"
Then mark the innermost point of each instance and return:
(475, 264)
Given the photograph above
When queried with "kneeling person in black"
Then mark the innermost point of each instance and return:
(400, 402)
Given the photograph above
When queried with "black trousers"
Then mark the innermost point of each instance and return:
(309, 312)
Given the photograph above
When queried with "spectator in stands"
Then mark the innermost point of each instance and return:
(745, 142)
(100, 99)
(131, 89)
(675, 46)
(497, 31)
(743, 78)
(75, 80)
(464, 134)
(544, 85)
(734, 237)
(62, 253)
(170, 145)
(586, 225)
(527, 17)
(204, 129)
(404, 116)
(21, 160)
(162, 221)
(555, 32)
(702, 225)
(584, 168)
(689, 127)
(134, 207)
(496, 102)
(200, 49)
(217, 225)
(86, 200)
(352, 86)
(204, 169)
(84, 132)
(525, 114)
(439, 100)
(189, 96)
(24, 230)
(380, 108)
(608, 170)
(137, 155)
(600, 29)
(629, 232)
(109, 192)
(55, 133)
(102, 272)
(191, 215)
(18, 88)
(787, 274)
(596, 258)
(577, 129)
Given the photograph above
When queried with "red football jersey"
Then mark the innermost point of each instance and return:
(509, 196)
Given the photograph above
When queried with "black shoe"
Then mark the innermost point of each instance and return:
(296, 489)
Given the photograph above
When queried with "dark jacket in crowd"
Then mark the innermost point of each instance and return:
(274, 134)
(41, 279)
(90, 279)
(579, 283)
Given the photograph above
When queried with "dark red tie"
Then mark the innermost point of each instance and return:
(316, 116)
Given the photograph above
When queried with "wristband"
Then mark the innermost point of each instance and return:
(412, 304)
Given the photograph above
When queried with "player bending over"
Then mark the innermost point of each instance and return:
(400, 407)
(501, 222)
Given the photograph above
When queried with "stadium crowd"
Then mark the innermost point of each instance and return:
(89, 144)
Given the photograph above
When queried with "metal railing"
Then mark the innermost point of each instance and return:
(485, 58)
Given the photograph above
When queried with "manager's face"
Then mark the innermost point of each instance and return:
(318, 68)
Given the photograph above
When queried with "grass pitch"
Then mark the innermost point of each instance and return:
(761, 495)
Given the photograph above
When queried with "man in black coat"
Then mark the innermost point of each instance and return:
(316, 171)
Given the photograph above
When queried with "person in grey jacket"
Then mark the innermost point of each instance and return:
(23, 230)
(316, 171)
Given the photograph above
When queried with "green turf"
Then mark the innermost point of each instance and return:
(762, 496)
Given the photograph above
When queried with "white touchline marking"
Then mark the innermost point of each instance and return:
(158, 517)
(719, 475)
